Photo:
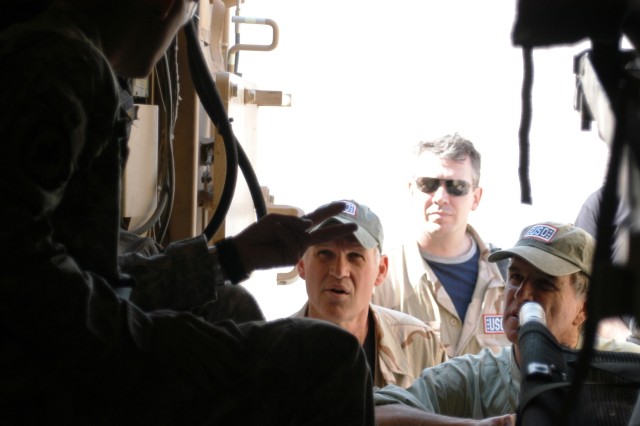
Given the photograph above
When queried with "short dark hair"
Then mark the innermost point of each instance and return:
(453, 147)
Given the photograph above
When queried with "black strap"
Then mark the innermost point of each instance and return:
(627, 371)
(527, 396)
(630, 372)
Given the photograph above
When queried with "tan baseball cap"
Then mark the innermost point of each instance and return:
(555, 248)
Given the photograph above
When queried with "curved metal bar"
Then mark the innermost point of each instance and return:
(252, 47)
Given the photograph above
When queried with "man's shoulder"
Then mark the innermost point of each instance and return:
(302, 312)
(66, 57)
(398, 250)
(486, 358)
(404, 255)
(394, 318)
(503, 264)
(475, 234)
(404, 264)
(483, 245)
(50, 30)
(401, 333)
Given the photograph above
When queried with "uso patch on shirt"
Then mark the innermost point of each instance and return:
(492, 324)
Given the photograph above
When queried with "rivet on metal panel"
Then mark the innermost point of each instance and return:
(249, 96)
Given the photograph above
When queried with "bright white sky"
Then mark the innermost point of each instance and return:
(370, 78)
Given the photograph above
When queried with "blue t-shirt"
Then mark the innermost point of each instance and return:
(458, 277)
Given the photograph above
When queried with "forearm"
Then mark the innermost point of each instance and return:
(402, 415)
(183, 277)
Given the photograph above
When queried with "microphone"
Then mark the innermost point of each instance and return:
(532, 311)
(543, 369)
(548, 370)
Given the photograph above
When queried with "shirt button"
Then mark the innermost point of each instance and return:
(453, 322)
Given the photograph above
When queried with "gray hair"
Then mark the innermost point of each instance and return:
(580, 283)
(452, 147)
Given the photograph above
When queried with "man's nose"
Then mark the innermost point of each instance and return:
(440, 194)
(524, 293)
(340, 267)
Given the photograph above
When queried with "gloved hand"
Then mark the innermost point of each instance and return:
(280, 240)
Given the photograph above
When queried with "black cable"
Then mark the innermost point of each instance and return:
(213, 105)
(243, 162)
(525, 126)
(215, 109)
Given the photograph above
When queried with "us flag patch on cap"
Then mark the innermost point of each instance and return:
(349, 208)
(492, 324)
(541, 232)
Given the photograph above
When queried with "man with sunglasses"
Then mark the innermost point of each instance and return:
(441, 273)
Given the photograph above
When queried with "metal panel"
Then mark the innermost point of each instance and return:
(141, 173)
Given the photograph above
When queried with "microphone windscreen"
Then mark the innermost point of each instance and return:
(532, 311)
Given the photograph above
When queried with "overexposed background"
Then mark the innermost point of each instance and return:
(369, 79)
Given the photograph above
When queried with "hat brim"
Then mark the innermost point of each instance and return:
(546, 262)
(363, 236)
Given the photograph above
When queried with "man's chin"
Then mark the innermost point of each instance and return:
(437, 227)
(512, 336)
(511, 327)
(440, 218)
(434, 224)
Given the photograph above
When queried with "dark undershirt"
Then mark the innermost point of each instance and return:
(458, 277)
(369, 345)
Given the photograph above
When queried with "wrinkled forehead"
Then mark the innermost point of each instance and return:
(346, 241)
(518, 264)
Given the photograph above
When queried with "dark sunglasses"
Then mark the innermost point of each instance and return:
(455, 187)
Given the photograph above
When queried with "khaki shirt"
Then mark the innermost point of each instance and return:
(412, 287)
(404, 346)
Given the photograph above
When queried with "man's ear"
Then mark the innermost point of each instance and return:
(581, 315)
(477, 196)
(383, 268)
(300, 267)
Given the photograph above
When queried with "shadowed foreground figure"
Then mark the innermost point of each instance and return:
(75, 353)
